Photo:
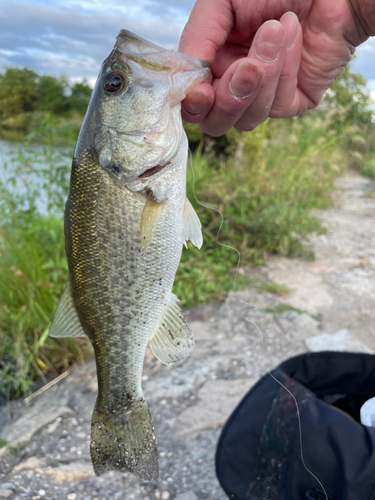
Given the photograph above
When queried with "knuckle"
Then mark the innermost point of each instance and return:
(212, 129)
(280, 112)
(246, 127)
(229, 107)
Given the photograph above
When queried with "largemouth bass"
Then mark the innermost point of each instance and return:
(126, 220)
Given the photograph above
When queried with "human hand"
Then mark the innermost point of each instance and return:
(264, 68)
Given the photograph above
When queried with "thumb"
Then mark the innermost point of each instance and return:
(207, 29)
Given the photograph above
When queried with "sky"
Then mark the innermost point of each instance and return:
(73, 37)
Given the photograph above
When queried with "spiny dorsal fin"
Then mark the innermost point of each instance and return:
(191, 226)
(173, 340)
(150, 220)
(65, 321)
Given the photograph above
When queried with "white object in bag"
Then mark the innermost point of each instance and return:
(368, 413)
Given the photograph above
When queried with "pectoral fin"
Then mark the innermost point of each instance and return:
(65, 321)
(173, 340)
(192, 227)
(150, 220)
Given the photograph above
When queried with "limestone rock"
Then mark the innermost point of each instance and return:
(308, 290)
(201, 330)
(188, 495)
(6, 493)
(31, 463)
(3, 452)
(34, 418)
(340, 341)
(7, 486)
(182, 377)
(70, 473)
(218, 398)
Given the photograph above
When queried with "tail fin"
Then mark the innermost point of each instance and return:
(124, 440)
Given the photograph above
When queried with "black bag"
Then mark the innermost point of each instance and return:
(258, 455)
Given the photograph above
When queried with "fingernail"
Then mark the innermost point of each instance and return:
(268, 41)
(245, 80)
(196, 103)
(290, 23)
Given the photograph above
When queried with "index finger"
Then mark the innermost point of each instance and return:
(207, 29)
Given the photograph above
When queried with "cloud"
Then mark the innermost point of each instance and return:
(364, 61)
(74, 37)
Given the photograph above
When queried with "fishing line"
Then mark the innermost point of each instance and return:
(221, 223)
(254, 308)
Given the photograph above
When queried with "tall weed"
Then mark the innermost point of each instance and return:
(265, 192)
(33, 269)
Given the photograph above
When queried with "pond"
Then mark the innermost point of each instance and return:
(35, 176)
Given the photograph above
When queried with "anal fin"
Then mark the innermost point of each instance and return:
(65, 321)
(173, 340)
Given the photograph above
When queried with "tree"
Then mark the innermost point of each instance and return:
(349, 99)
(348, 106)
(18, 92)
(79, 97)
(53, 94)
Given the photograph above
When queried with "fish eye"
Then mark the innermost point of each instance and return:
(113, 82)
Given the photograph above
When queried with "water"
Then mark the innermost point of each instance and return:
(35, 176)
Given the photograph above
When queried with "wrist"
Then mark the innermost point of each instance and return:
(363, 12)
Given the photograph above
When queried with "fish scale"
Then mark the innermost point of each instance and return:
(126, 220)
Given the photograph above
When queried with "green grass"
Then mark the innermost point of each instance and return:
(280, 308)
(33, 272)
(11, 135)
(368, 168)
(274, 288)
(264, 193)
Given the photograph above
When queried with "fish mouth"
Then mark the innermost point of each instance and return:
(152, 171)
